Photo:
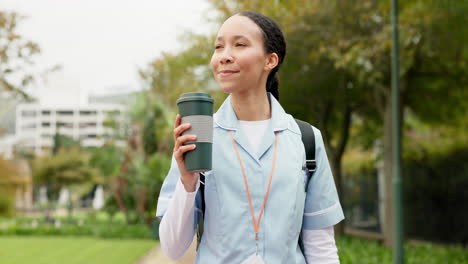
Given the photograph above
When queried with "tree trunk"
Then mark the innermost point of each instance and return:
(336, 158)
(120, 187)
(142, 200)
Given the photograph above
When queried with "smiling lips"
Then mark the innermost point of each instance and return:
(226, 73)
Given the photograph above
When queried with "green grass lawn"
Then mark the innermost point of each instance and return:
(71, 250)
(83, 250)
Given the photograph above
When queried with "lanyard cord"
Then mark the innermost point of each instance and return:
(256, 223)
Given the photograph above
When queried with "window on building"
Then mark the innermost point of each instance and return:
(88, 125)
(88, 112)
(65, 112)
(65, 124)
(28, 113)
(29, 126)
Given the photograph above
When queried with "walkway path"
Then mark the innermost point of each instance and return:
(156, 256)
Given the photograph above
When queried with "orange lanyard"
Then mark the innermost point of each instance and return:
(256, 223)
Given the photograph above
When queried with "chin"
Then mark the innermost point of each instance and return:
(227, 91)
(228, 88)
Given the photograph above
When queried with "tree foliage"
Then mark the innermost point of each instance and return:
(68, 167)
(7, 171)
(17, 55)
(173, 74)
(106, 159)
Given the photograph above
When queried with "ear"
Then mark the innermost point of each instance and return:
(271, 61)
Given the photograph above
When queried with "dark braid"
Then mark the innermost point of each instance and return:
(274, 43)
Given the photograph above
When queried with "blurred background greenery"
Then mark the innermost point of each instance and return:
(336, 76)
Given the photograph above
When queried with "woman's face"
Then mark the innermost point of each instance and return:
(239, 61)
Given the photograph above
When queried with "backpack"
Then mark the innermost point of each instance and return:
(308, 138)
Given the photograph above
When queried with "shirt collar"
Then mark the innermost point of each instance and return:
(226, 118)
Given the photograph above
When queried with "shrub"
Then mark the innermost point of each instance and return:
(435, 195)
(6, 205)
(92, 228)
(100, 231)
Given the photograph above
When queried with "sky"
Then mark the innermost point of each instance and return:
(101, 43)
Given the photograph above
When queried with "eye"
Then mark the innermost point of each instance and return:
(240, 44)
(218, 47)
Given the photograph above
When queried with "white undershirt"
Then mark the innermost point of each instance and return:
(176, 229)
(254, 130)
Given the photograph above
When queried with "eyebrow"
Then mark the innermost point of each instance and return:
(236, 37)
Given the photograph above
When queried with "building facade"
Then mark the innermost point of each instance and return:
(36, 124)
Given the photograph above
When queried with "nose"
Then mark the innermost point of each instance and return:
(226, 57)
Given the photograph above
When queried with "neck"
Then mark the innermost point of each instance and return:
(251, 106)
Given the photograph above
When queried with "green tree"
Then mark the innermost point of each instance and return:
(153, 119)
(63, 142)
(432, 67)
(69, 167)
(16, 55)
(145, 159)
(106, 159)
(7, 182)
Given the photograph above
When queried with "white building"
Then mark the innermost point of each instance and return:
(37, 124)
(63, 108)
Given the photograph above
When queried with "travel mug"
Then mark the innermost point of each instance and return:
(197, 109)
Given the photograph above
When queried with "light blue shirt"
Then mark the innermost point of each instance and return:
(228, 229)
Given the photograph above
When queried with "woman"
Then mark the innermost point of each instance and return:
(257, 204)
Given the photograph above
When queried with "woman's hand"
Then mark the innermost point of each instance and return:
(189, 179)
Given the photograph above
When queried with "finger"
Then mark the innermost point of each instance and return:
(176, 124)
(180, 151)
(180, 129)
(177, 121)
(182, 139)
